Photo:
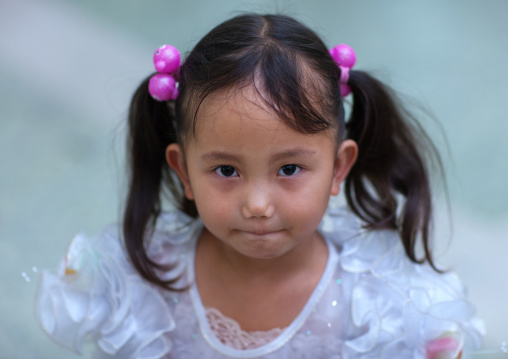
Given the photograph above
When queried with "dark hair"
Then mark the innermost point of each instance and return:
(289, 65)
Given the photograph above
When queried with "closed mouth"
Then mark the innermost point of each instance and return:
(262, 232)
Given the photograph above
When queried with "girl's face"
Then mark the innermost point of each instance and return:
(259, 186)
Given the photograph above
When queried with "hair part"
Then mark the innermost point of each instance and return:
(292, 71)
(280, 57)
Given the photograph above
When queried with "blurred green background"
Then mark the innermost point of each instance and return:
(68, 69)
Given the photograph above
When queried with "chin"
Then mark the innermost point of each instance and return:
(262, 251)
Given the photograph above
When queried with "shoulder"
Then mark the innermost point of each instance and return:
(96, 292)
(397, 308)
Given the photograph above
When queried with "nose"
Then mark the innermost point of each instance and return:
(258, 202)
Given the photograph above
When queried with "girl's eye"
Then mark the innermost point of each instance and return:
(289, 170)
(226, 171)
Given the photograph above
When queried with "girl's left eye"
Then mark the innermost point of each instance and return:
(289, 170)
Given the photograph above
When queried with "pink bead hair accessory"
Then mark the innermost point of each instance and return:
(345, 57)
(162, 85)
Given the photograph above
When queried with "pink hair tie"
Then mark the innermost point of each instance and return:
(345, 57)
(162, 85)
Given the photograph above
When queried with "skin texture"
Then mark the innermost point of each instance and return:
(261, 189)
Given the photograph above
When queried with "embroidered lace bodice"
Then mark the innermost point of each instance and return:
(228, 331)
(371, 301)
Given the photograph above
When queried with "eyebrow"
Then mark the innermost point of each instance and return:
(297, 152)
(292, 153)
(219, 155)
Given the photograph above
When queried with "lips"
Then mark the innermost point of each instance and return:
(261, 232)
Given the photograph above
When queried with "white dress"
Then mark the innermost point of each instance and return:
(371, 301)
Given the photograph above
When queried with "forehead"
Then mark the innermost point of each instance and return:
(240, 119)
(300, 97)
(239, 106)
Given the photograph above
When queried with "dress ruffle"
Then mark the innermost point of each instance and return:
(397, 306)
(96, 293)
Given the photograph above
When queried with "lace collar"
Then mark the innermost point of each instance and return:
(287, 333)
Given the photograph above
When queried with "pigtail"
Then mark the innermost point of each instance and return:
(389, 186)
(151, 130)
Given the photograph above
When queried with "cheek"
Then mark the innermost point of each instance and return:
(307, 204)
(312, 201)
(318, 188)
(213, 207)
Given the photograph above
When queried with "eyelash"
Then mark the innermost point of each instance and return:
(219, 171)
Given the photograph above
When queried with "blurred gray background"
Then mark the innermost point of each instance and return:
(68, 69)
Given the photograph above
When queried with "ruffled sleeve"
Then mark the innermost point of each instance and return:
(97, 294)
(399, 309)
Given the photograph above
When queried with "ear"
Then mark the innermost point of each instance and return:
(175, 159)
(346, 157)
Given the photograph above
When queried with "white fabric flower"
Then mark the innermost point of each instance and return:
(97, 294)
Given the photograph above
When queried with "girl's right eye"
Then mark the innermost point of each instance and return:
(226, 171)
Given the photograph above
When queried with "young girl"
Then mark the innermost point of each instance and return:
(256, 263)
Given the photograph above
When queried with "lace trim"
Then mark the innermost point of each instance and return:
(229, 332)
